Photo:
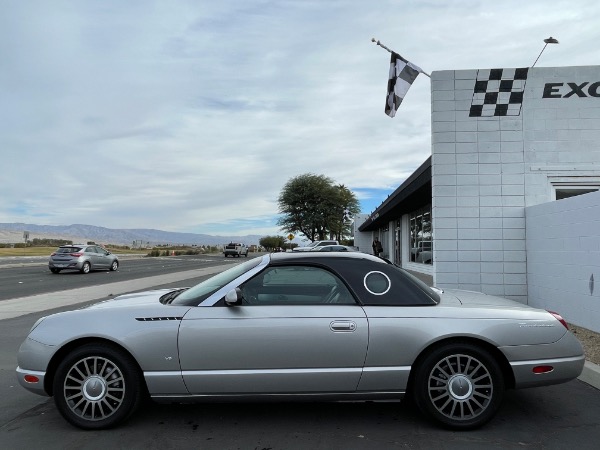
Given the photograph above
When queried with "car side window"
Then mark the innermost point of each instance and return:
(90, 250)
(295, 285)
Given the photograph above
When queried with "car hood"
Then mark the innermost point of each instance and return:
(149, 298)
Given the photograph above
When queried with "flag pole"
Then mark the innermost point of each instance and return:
(384, 47)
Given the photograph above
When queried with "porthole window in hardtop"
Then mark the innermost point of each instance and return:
(295, 285)
(378, 283)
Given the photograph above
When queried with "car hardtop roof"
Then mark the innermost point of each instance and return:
(315, 255)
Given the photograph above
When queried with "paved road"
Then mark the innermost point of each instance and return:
(30, 276)
(555, 417)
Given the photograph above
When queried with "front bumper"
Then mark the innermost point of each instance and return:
(32, 380)
(33, 359)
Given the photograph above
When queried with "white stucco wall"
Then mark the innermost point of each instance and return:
(563, 258)
(486, 170)
(362, 240)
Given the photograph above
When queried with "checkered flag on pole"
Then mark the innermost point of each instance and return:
(402, 75)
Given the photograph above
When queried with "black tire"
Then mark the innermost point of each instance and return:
(54, 270)
(86, 267)
(459, 385)
(97, 386)
(114, 266)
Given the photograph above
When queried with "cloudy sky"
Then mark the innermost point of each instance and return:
(191, 115)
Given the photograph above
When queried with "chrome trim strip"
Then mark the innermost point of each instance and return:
(165, 373)
(275, 371)
(547, 361)
(387, 369)
(269, 371)
(37, 373)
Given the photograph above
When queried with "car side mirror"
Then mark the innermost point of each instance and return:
(234, 297)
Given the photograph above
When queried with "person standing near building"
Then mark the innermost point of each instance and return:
(377, 247)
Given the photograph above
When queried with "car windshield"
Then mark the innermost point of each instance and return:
(202, 291)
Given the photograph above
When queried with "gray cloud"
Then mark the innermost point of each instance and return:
(191, 115)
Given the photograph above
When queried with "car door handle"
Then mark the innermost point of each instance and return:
(342, 325)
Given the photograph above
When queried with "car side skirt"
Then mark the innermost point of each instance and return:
(306, 397)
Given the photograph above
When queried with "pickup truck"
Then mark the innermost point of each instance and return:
(235, 249)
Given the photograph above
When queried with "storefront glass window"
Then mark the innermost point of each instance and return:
(421, 244)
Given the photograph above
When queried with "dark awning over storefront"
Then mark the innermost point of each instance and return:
(412, 194)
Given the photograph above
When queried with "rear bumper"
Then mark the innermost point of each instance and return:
(65, 265)
(563, 369)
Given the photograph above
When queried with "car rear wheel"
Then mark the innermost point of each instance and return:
(54, 270)
(114, 266)
(97, 386)
(459, 385)
(86, 267)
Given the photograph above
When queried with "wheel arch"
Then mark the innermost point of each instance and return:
(507, 373)
(69, 347)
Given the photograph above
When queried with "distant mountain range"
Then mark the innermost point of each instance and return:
(13, 232)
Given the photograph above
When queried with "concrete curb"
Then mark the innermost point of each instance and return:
(591, 374)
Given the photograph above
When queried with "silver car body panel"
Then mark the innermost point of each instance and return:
(273, 348)
(320, 351)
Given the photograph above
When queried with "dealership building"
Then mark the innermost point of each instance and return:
(507, 203)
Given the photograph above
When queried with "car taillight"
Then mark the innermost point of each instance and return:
(542, 369)
(558, 317)
(76, 255)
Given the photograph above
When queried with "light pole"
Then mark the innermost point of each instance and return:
(547, 41)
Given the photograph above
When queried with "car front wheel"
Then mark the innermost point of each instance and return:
(114, 266)
(459, 385)
(97, 386)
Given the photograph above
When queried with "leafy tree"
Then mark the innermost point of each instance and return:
(271, 242)
(346, 207)
(314, 206)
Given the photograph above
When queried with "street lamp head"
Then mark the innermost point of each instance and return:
(547, 41)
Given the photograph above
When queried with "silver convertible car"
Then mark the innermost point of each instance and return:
(319, 326)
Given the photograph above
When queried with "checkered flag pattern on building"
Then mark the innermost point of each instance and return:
(402, 75)
(498, 92)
